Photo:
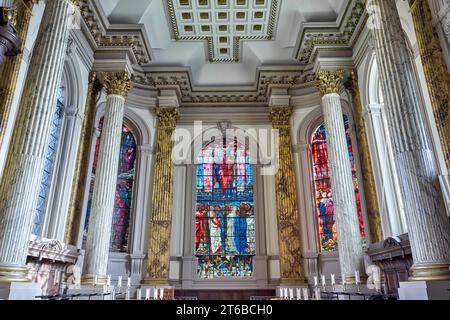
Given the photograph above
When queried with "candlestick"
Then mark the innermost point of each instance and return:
(95, 280)
(333, 279)
(155, 294)
(129, 282)
(139, 294)
(318, 295)
(119, 282)
(147, 294)
(108, 281)
(56, 279)
(324, 281)
(316, 281)
(344, 279)
(305, 293)
(161, 294)
(299, 294)
(357, 278)
(291, 293)
(281, 293)
(286, 293)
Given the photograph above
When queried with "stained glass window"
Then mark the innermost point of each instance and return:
(324, 194)
(49, 162)
(224, 217)
(124, 190)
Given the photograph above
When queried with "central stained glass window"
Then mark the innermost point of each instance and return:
(224, 217)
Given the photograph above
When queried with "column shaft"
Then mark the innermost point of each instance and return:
(370, 192)
(435, 68)
(24, 164)
(428, 225)
(103, 197)
(345, 210)
(286, 201)
(158, 258)
(81, 173)
(11, 68)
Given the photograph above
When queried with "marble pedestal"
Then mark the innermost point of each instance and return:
(20, 291)
(424, 290)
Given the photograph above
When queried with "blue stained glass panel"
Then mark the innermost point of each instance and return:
(49, 163)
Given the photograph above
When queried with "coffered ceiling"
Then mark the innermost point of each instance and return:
(224, 42)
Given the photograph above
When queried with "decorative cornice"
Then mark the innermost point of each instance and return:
(131, 37)
(117, 83)
(257, 94)
(314, 39)
(329, 82)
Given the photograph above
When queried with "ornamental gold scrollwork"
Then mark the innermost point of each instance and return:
(329, 81)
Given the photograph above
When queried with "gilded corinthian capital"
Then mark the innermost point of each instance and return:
(329, 81)
(117, 83)
(280, 116)
(167, 117)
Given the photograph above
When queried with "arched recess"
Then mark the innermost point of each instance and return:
(129, 263)
(183, 269)
(386, 180)
(75, 85)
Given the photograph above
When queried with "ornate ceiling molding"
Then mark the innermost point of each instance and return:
(258, 94)
(223, 24)
(314, 39)
(114, 37)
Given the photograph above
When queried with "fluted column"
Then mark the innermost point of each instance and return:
(81, 173)
(370, 192)
(345, 211)
(102, 206)
(24, 164)
(158, 258)
(426, 217)
(11, 67)
(286, 201)
(435, 68)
